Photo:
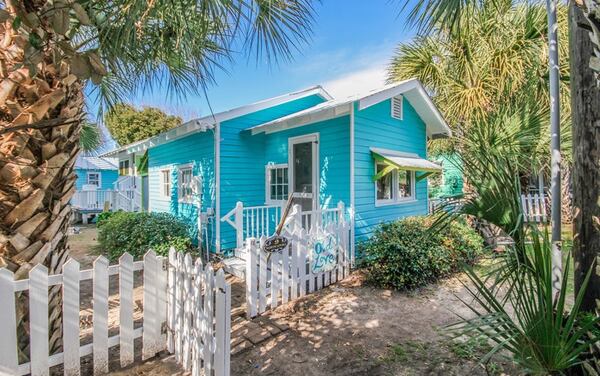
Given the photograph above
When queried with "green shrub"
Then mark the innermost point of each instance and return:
(404, 255)
(136, 233)
(103, 217)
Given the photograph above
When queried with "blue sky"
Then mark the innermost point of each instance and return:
(352, 43)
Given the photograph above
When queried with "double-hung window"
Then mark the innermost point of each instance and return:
(93, 178)
(185, 191)
(277, 183)
(124, 167)
(394, 187)
(165, 183)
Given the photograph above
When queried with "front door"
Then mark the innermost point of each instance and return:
(303, 155)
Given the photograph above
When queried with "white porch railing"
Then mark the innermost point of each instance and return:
(93, 199)
(127, 182)
(127, 200)
(257, 221)
(534, 208)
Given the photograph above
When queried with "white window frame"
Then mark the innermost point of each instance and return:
(268, 168)
(87, 179)
(166, 193)
(314, 138)
(393, 101)
(395, 200)
(180, 197)
(125, 171)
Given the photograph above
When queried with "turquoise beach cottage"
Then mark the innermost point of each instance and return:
(95, 173)
(229, 174)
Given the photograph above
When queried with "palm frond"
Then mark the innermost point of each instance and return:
(90, 137)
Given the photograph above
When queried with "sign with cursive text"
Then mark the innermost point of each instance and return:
(323, 253)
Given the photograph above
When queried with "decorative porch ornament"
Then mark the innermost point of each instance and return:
(323, 248)
(275, 243)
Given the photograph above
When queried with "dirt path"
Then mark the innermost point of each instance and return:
(351, 329)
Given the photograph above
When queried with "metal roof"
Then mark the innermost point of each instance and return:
(411, 89)
(96, 163)
(208, 122)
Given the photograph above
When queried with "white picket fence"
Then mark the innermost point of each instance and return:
(534, 208)
(162, 302)
(285, 276)
(199, 316)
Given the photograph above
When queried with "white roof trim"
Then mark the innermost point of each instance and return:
(412, 90)
(208, 122)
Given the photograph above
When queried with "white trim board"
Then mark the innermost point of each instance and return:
(316, 165)
(411, 90)
(217, 146)
(208, 122)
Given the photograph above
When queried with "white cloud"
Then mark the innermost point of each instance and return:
(357, 82)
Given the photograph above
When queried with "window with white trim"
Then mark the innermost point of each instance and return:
(277, 183)
(93, 178)
(124, 167)
(396, 110)
(185, 181)
(165, 183)
(394, 187)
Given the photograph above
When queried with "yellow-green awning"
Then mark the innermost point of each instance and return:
(403, 161)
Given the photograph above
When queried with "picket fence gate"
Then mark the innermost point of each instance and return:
(199, 316)
(285, 276)
(163, 299)
(534, 208)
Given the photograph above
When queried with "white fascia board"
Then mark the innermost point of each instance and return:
(382, 95)
(414, 92)
(295, 121)
(208, 122)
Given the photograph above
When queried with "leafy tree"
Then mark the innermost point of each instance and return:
(127, 124)
(474, 74)
(51, 50)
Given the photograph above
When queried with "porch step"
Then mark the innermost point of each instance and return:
(235, 266)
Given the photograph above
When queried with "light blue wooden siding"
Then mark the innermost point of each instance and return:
(197, 150)
(108, 177)
(374, 127)
(334, 157)
(243, 160)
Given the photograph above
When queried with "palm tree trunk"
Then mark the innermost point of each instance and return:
(36, 165)
(585, 102)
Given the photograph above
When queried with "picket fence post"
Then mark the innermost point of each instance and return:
(239, 224)
(100, 317)
(126, 350)
(251, 278)
(71, 317)
(9, 361)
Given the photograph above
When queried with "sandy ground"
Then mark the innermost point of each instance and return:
(346, 329)
(352, 329)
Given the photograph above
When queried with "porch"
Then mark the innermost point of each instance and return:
(125, 196)
(254, 222)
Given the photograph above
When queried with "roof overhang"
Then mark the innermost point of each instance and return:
(405, 161)
(416, 95)
(412, 90)
(208, 122)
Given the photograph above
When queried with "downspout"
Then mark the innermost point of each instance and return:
(218, 187)
(352, 212)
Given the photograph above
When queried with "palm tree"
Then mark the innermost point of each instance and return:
(584, 29)
(51, 50)
(474, 74)
(471, 75)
